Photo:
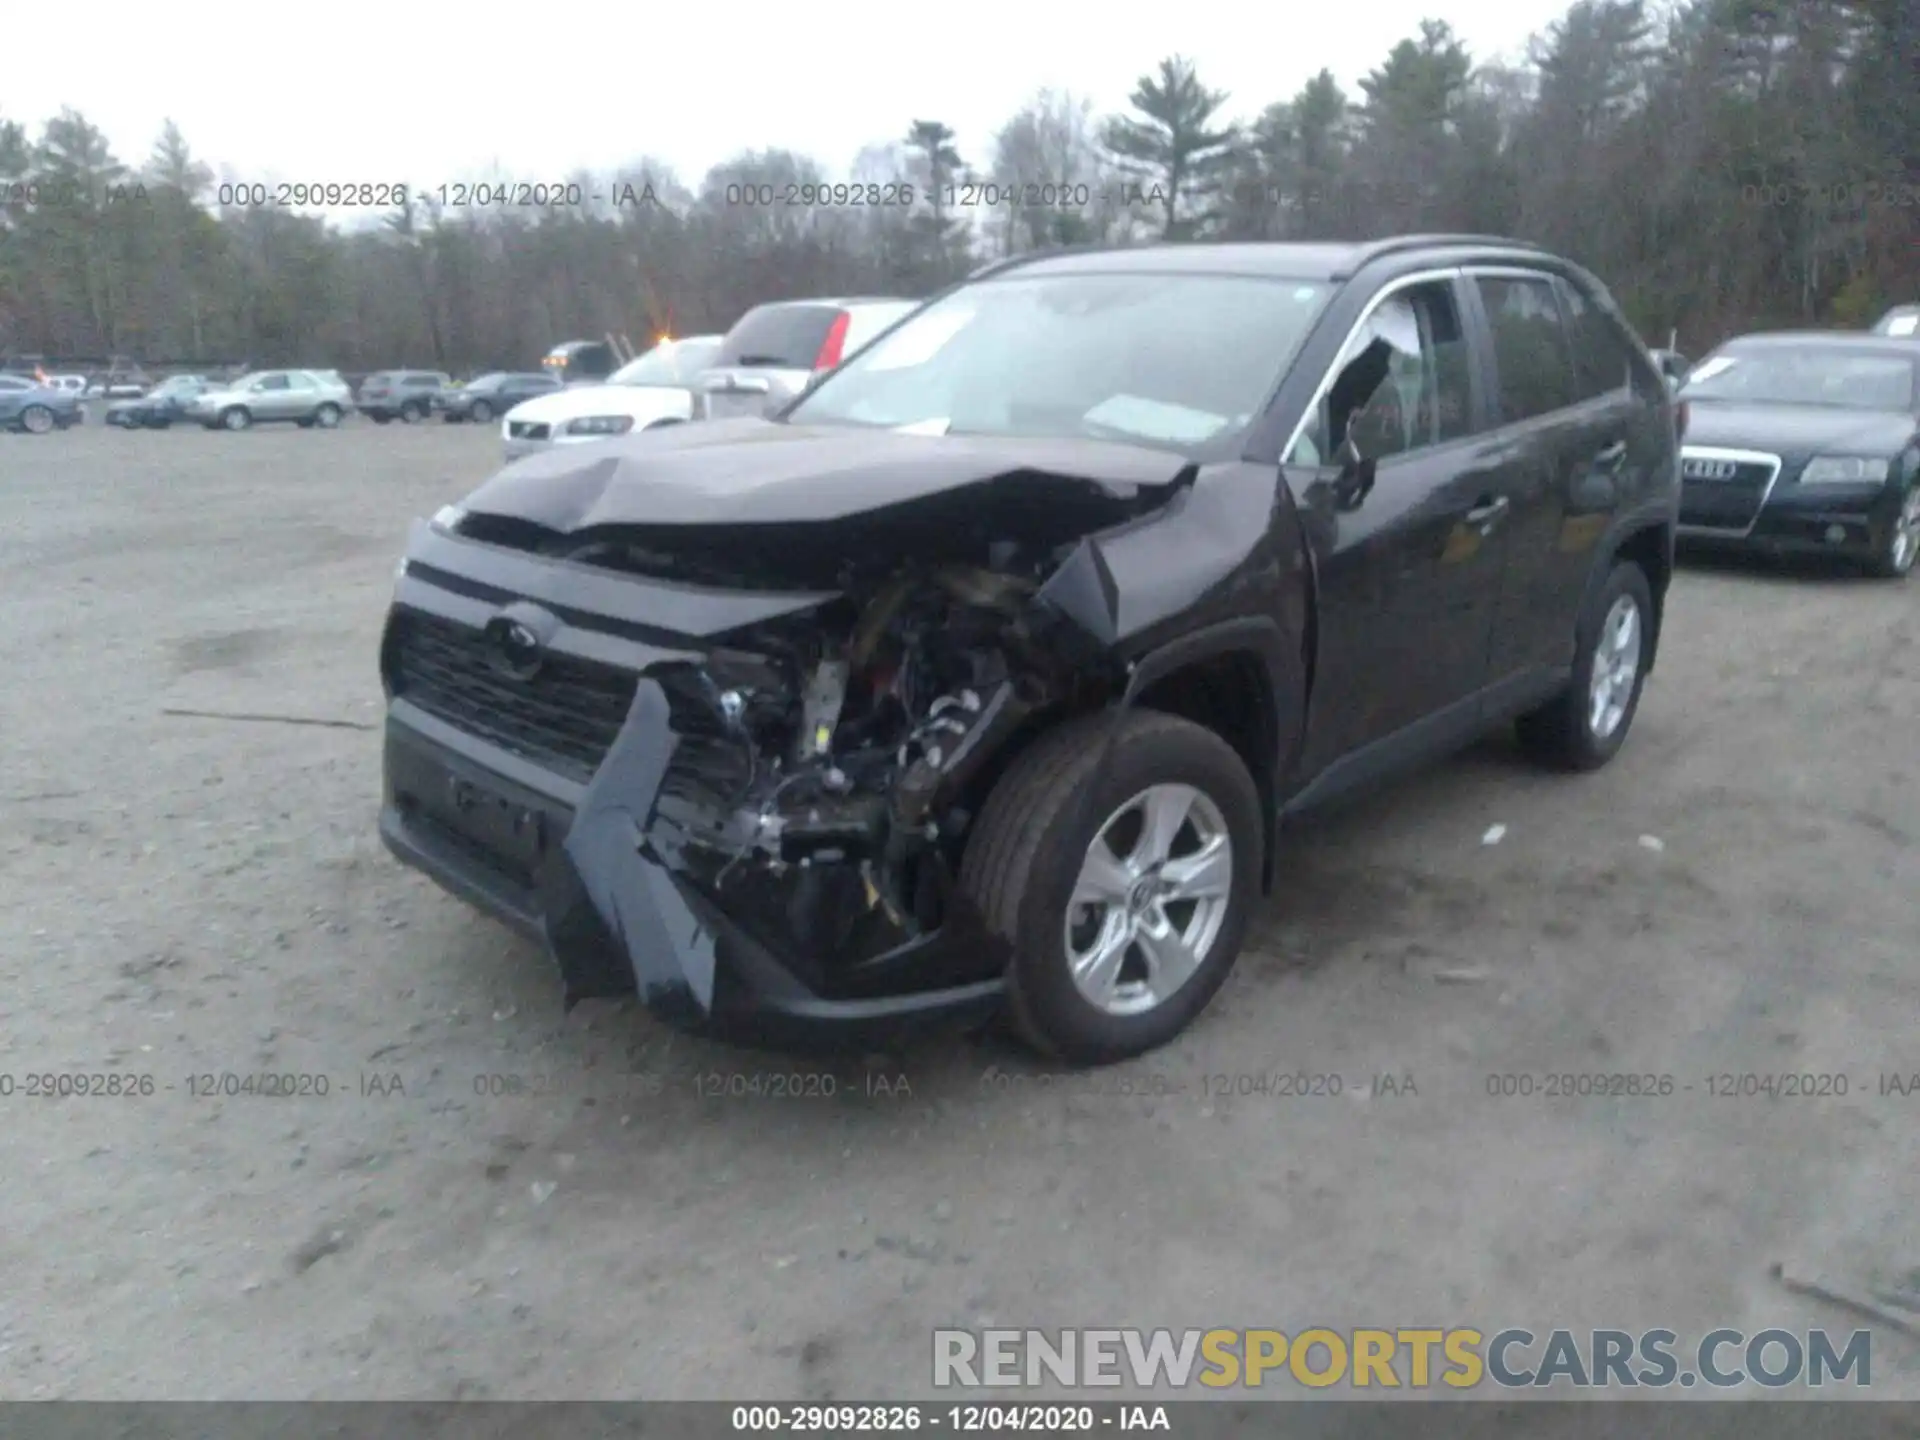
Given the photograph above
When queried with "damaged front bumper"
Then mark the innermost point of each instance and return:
(595, 854)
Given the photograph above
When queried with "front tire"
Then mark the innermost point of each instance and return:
(1585, 726)
(36, 420)
(1122, 889)
(1896, 558)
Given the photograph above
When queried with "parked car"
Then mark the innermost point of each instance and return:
(486, 396)
(304, 397)
(1806, 441)
(774, 350)
(405, 395)
(581, 362)
(74, 385)
(159, 407)
(987, 673)
(26, 404)
(1673, 367)
(119, 385)
(1902, 321)
(651, 390)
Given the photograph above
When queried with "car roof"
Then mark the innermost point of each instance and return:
(1862, 340)
(1322, 260)
(842, 302)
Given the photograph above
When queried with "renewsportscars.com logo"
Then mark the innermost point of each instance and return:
(1415, 1359)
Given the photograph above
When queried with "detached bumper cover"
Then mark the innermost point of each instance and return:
(603, 889)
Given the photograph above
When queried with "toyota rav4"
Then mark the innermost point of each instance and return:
(984, 676)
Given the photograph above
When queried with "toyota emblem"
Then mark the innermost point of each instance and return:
(516, 649)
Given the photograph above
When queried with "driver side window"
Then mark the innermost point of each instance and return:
(1402, 384)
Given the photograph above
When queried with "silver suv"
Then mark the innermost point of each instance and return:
(776, 349)
(304, 397)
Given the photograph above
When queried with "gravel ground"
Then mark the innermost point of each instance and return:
(192, 896)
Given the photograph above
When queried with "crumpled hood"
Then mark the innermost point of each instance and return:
(755, 471)
(1797, 431)
(645, 403)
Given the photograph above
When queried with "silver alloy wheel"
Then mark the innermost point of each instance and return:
(1143, 918)
(1616, 665)
(326, 417)
(236, 419)
(36, 419)
(481, 412)
(1906, 534)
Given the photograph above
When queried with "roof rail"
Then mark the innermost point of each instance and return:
(1398, 244)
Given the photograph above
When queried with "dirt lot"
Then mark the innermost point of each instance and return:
(190, 896)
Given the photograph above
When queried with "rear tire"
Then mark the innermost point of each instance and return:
(481, 412)
(1586, 724)
(410, 413)
(327, 416)
(237, 418)
(1035, 836)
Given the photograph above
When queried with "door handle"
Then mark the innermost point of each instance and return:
(1488, 513)
(1611, 457)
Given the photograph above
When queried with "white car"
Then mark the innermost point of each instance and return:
(653, 389)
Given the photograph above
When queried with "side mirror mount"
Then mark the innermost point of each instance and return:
(1354, 480)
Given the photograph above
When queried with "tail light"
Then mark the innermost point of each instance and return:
(834, 344)
(1681, 411)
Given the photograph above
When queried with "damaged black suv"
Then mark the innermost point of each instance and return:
(986, 674)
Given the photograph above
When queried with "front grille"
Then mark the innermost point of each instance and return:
(528, 430)
(1729, 501)
(565, 718)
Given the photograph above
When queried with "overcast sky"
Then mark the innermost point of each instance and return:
(433, 93)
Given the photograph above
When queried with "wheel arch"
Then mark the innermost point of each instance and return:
(1229, 678)
(1646, 542)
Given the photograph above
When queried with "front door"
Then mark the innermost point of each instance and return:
(1404, 504)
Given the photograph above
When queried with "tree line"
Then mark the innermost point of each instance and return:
(1721, 164)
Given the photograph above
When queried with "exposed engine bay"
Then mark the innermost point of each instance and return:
(848, 741)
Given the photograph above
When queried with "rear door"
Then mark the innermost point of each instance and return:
(1406, 531)
(1565, 416)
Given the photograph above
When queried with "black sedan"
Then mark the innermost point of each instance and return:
(160, 406)
(26, 404)
(488, 396)
(1806, 442)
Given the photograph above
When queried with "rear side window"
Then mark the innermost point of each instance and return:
(781, 337)
(1603, 362)
(1530, 349)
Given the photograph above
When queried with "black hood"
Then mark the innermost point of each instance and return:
(761, 472)
(1797, 431)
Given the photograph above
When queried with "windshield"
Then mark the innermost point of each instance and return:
(671, 362)
(1900, 322)
(245, 380)
(1843, 379)
(1177, 361)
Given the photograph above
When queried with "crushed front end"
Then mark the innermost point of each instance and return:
(734, 780)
